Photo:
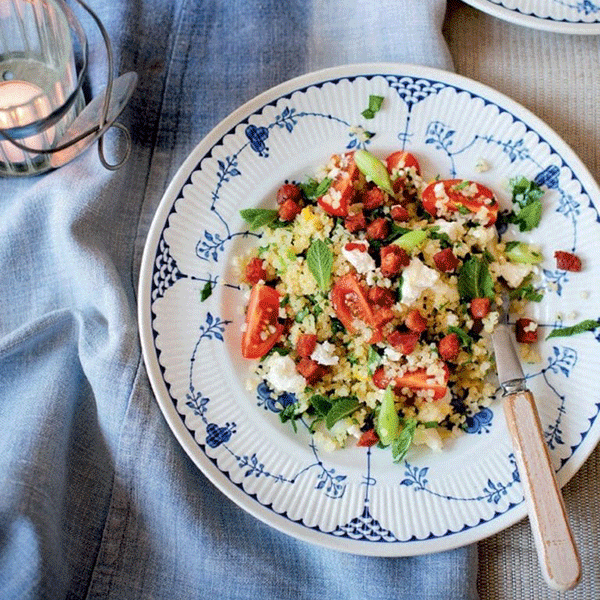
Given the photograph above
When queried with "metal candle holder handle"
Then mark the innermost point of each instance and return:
(50, 128)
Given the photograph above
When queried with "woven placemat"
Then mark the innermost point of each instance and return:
(557, 76)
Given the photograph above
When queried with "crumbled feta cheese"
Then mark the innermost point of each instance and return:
(429, 437)
(360, 259)
(514, 273)
(281, 375)
(324, 354)
(453, 229)
(531, 326)
(416, 278)
(482, 165)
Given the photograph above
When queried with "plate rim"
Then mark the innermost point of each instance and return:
(534, 22)
(186, 440)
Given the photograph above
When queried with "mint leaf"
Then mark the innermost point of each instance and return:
(258, 217)
(375, 103)
(583, 326)
(289, 414)
(526, 291)
(206, 291)
(320, 260)
(321, 404)
(315, 189)
(342, 408)
(527, 195)
(404, 440)
(528, 218)
(474, 280)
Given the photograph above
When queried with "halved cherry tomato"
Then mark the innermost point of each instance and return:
(350, 303)
(401, 160)
(456, 193)
(262, 326)
(415, 380)
(341, 191)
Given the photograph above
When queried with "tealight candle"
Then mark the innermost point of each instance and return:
(18, 110)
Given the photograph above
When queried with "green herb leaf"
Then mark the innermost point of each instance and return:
(526, 291)
(475, 280)
(258, 217)
(412, 239)
(527, 195)
(374, 170)
(321, 404)
(581, 327)
(315, 189)
(524, 191)
(388, 422)
(528, 218)
(341, 409)
(289, 414)
(520, 252)
(320, 260)
(373, 360)
(375, 103)
(404, 440)
(206, 292)
(465, 339)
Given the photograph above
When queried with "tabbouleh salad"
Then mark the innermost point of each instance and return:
(372, 296)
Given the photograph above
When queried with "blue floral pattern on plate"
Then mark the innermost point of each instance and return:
(229, 424)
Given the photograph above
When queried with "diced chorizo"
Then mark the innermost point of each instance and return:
(526, 331)
(399, 213)
(567, 261)
(311, 370)
(288, 210)
(445, 260)
(449, 346)
(355, 223)
(378, 229)
(373, 198)
(393, 259)
(382, 296)
(415, 321)
(289, 191)
(479, 308)
(306, 344)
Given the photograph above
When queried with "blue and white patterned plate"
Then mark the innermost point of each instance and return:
(357, 500)
(562, 16)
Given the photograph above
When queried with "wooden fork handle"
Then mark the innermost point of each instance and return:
(558, 556)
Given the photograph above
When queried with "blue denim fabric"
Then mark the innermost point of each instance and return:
(97, 499)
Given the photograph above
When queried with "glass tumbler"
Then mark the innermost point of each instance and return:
(40, 89)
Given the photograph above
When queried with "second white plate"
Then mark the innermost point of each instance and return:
(562, 16)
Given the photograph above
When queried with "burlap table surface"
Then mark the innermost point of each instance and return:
(556, 76)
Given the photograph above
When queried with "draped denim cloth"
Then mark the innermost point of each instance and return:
(97, 499)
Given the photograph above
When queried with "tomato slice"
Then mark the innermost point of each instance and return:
(262, 326)
(415, 380)
(350, 303)
(402, 160)
(341, 192)
(457, 193)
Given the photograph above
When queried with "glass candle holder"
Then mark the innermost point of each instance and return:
(40, 86)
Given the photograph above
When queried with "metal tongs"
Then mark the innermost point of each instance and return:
(557, 553)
